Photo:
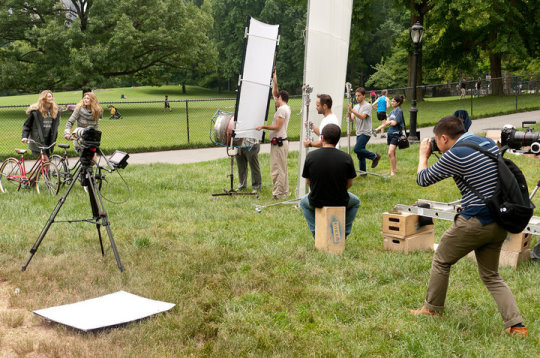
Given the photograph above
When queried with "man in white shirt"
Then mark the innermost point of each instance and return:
(324, 107)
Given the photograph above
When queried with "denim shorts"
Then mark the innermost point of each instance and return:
(392, 138)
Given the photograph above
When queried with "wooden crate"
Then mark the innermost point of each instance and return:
(509, 258)
(420, 242)
(402, 225)
(517, 242)
(330, 229)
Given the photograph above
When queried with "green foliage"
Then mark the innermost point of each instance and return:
(51, 47)
(231, 18)
(390, 72)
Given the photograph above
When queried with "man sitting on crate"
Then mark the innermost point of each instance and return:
(329, 172)
(473, 228)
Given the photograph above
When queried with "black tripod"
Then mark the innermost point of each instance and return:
(86, 174)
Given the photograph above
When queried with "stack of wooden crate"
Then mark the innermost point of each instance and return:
(403, 232)
(515, 249)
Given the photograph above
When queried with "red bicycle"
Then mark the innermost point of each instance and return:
(43, 175)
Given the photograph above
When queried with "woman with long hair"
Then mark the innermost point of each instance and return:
(42, 123)
(396, 122)
(87, 114)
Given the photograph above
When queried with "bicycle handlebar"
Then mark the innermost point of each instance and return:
(41, 146)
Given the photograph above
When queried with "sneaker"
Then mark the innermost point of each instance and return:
(423, 311)
(375, 161)
(383, 135)
(240, 188)
(374, 133)
(517, 331)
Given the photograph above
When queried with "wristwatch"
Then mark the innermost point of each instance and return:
(309, 145)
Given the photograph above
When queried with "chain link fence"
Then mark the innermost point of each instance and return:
(149, 126)
(143, 125)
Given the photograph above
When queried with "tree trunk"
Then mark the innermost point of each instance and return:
(497, 88)
(184, 87)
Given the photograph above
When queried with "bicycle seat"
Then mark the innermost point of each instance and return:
(20, 151)
(65, 146)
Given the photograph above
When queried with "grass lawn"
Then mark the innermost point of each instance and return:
(146, 127)
(246, 283)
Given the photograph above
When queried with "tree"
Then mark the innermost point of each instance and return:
(228, 35)
(46, 44)
(468, 31)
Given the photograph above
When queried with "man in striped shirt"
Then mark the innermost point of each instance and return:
(474, 227)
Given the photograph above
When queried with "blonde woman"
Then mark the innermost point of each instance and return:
(87, 113)
(42, 123)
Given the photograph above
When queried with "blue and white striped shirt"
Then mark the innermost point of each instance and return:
(479, 170)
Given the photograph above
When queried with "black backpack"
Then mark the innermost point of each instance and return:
(510, 205)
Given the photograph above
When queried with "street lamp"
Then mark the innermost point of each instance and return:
(417, 32)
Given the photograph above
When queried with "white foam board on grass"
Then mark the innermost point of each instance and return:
(105, 311)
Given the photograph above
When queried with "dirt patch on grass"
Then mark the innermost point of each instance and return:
(21, 332)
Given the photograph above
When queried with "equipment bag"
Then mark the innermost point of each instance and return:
(510, 205)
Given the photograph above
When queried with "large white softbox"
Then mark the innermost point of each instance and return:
(328, 29)
(255, 82)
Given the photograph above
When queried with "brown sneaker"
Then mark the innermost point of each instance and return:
(517, 331)
(375, 161)
(423, 311)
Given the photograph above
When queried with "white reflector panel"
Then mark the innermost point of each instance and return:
(105, 311)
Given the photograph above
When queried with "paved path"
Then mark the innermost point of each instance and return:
(205, 154)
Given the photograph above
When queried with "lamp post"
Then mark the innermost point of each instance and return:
(417, 32)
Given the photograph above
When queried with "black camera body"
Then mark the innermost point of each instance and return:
(90, 138)
(434, 147)
(89, 141)
(518, 140)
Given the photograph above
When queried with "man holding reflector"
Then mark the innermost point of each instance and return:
(280, 143)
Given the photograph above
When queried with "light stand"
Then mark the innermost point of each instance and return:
(417, 32)
(348, 93)
(99, 218)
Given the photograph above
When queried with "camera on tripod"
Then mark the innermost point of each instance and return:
(519, 140)
(89, 140)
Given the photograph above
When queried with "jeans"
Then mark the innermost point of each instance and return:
(361, 152)
(350, 213)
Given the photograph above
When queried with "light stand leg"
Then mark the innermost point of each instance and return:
(231, 191)
(57, 208)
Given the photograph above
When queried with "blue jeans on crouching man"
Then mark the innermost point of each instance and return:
(361, 152)
(350, 213)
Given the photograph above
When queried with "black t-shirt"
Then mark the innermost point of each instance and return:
(328, 170)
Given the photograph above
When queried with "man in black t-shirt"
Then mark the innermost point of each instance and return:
(329, 172)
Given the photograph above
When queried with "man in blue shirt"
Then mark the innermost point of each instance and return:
(474, 227)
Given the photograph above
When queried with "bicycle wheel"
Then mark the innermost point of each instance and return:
(10, 175)
(60, 162)
(48, 179)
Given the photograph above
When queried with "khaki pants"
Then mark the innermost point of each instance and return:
(278, 169)
(464, 236)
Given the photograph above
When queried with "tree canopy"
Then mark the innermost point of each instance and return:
(71, 44)
(64, 44)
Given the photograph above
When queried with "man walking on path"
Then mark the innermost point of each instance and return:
(362, 114)
(280, 144)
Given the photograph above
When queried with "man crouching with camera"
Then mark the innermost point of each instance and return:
(473, 228)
